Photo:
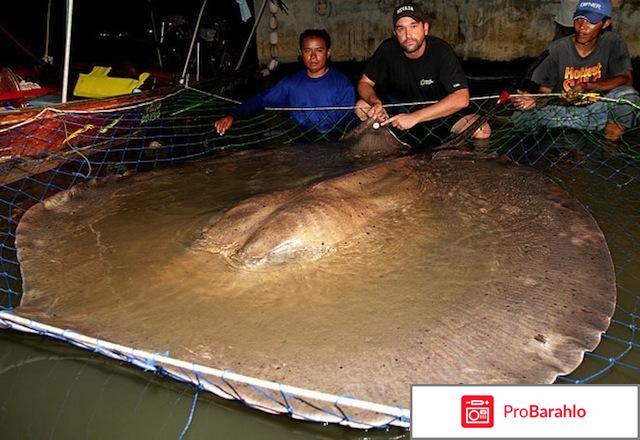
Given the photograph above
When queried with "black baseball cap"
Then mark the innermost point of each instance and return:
(408, 10)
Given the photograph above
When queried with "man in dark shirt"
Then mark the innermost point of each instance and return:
(414, 66)
(589, 61)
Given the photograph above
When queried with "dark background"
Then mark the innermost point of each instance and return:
(118, 33)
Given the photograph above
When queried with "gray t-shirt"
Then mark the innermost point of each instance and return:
(563, 67)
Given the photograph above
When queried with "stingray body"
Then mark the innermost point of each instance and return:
(541, 294)
(307, 223)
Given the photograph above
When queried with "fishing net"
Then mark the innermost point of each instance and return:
(53, 159)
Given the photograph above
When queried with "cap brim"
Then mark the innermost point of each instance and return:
(590, 16)
(416, 16)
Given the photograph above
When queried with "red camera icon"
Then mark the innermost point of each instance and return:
(477, 411)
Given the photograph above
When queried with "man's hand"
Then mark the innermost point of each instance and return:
(369, 106)
(573, 94)
(522, 102)
(403, 121)
(377, 113)
(366, 111)
(223, 124)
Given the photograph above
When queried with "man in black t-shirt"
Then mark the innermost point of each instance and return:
(589, 61)
(414, 67)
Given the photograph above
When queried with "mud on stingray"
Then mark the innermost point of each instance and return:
(372, 299)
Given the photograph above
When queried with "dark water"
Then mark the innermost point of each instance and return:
(78, 394)
(50, 390)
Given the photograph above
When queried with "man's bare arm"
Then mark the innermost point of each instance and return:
(624, 79)
(450, 104)
(522, 101)
(368, 94)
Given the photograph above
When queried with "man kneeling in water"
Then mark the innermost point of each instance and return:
(589, 61)
(318, 85)
(415, 66)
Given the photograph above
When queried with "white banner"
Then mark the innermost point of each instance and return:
(536, 411)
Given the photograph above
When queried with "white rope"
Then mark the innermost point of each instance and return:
(478, 98)
(26, 121)
(117, 109)
(233, 101)
(213, 95)
(40, 114)
(353, 107)
(593, 96)
(86, 159)
(11, 320)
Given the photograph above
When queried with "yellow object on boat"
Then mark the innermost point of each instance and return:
(96, 84)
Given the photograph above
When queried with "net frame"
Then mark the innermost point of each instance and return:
(100, 142)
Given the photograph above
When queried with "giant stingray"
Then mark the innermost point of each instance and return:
(545, 298)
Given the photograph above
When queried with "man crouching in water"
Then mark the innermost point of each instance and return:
(317, 85)
(415, 66)
(589, 61)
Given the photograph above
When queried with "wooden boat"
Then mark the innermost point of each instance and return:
(34, 134)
